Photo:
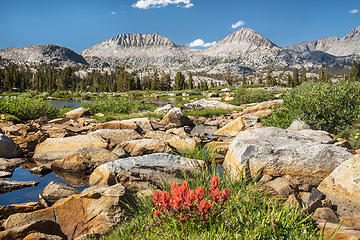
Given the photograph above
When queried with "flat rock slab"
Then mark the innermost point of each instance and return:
(153, 168)
(279, 152)
(9, 165)
(8, 186)
(57, 148)
(55, 191)
(5, 174)
(203, 104)
(6, 211)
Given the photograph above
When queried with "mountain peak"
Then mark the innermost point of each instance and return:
(140, 40)
(350, 44)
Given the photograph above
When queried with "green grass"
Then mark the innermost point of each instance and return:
(25, 108)
(251, 213)
(250, 95)
(122, 116)
(209, 112)
(118, 106)
(200, 153)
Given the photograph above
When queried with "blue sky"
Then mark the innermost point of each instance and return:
(80, 24)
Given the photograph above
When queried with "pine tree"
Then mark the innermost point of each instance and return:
(354, 74)
(244, 80)
(179, 81)
(295, 77)
(155, 81)
(269, 81)
(321, 75)
(190, 81)
(138, 84)
(289, 82)
(303, 78)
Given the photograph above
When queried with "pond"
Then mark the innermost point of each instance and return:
(30, 194)
(69, 104)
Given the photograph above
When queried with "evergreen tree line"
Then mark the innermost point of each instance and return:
(49, 78)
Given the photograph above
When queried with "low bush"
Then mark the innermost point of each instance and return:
(249, 95)
(27, 108)
(330, 107)
(119, 106)
(248, 213)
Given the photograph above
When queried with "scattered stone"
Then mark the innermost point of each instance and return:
(203, 129)
(283, 186)
(278, 152)
(117, 124)
(146, 146)
(55, 191)
(77, 113)
(177, 142)
(326, 214)
(177, 118)
(84, 160)
(41, 170)
(57, 148)
(9, 165)
(8, 186)
(143, 124)
(154, 168)
(315, 195)
(6, 211)
(116, 136)
(95, 210)
(38, 226)
(8, 149)
(179, 132)
(342, 187)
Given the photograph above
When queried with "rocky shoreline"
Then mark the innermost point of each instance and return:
(124, 159)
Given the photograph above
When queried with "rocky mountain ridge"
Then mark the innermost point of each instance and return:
(242, 51)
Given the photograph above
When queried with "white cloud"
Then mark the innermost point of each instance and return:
(146, 4)
(238, 24)
(113, 12)
(201, 43)
(354, 11)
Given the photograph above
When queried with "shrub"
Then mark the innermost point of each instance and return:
(325, 106)
(27, 108)
(248, 95)
(121, 105)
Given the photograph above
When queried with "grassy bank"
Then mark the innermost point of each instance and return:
(250, 213)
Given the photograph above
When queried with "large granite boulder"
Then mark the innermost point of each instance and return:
(116, 136)
(178, 142)
(176, 118)
(55, 191)
(57, 148)
(95, 210)
(77, 113)
(203, 104)
(145, 146)
(278, 152)
(153, 168)
(8, 149)
(84, 160)
(342, 187)
(7, 210)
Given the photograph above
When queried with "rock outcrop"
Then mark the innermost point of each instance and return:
(8, 149)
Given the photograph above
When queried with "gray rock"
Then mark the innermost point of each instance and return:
(203, 129)
(146, 146)
(297, 125)
(8, 186)
(204, 104)
(77, 113)
(8, 149)
(41, 170)
(279, 152)
(120, 152)
(9, 165)
(116, 136)
(164, 110)
(55, 191)
(153, 168)
(176, 118)
(317, 135)
(5, 174)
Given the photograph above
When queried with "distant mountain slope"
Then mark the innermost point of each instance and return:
(323, 44)
(350, 44)
(42, 53)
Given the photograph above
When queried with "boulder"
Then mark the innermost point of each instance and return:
(116, 136)
(77, 113)
(203, 129)
(342, 187)
(6, 211)
(42, 236)
(176, 118)
(95, 210)
(284, 186)
(153, 168)
(4, 174)
(326, 214)
(117, 124)
(317, 135)
(298, 125)
(179, 132)
(41, 170)
(8, 186)
(120, 152)
(8, 149)
(57, 148)
(164, 110)
(29, 141)
(40, 226)
(145, 146)
(241, 123)
(55, 191)
(203, 104)
(9, 165)
(177, 142)
(278, 152)
(143, 123)
(263, 108)
(84, 160)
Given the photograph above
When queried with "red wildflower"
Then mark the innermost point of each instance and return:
(204, 207)
(189, 198)
(199, 193)
(214, 183)
(164, 200)
(157, 213)
(224, 195)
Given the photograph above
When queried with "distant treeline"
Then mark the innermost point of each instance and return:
(51, 77)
